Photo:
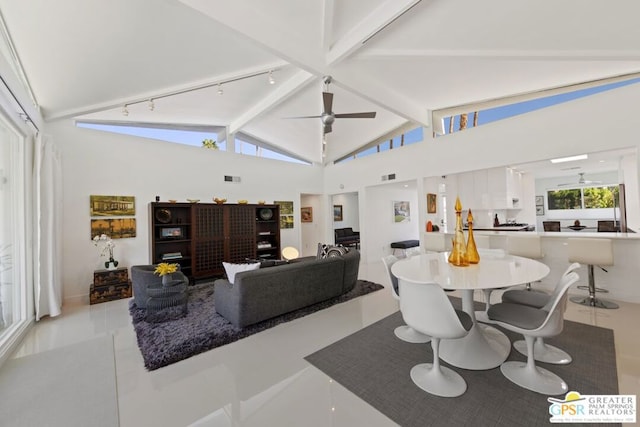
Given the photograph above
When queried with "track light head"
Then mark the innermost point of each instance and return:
(220, 91)
(271, 79)
(152, 106)
(125, 110)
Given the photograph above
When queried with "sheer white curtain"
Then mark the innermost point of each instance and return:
(48, 217)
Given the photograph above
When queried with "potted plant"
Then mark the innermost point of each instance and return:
(165, 270)
(105, 246)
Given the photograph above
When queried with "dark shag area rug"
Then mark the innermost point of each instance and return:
(203, 329)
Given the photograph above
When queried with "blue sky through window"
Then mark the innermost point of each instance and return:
(505, 111)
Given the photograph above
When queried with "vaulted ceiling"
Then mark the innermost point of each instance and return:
(400, 58)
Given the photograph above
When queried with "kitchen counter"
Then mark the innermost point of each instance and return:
(618, 281)
(503, 228)
(563, 234)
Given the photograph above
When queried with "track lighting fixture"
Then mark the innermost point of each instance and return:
(151, 101)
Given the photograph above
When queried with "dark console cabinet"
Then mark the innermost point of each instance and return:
(200, 236)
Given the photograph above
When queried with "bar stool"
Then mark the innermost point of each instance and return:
(525, 245)
(592, 252)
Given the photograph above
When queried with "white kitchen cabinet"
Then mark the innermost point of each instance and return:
(505, 186)
(465, 191)
(489, 189)
(482, 196)
(473, 190)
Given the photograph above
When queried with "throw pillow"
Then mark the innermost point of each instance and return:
(233, 269)
(325, 251)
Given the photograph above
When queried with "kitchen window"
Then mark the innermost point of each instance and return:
(582, 198)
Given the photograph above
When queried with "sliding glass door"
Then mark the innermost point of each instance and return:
(13, 313)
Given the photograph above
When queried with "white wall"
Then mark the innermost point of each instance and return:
(313, 232)
(605, 121)
(102, 163)
(379, 229)
(350, 211)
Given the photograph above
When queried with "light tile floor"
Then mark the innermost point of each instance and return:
(263, 380)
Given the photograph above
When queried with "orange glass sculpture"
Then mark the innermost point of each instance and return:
(458, 255)
(472, 251)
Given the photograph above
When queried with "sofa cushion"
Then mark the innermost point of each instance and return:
(233, 269)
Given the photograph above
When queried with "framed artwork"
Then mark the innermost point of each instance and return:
(112, 205)
(116, 228)
(286, 213)
(306, 214)
(431, 203)
(337, 212)
(539, 200)
(539, 210)
(401, 211)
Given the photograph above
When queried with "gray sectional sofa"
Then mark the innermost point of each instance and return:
(268, 292)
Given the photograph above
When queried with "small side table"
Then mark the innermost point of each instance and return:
(161, 297)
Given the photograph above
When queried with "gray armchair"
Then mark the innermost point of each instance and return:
(142, 277)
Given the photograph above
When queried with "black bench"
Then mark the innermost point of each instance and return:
(404, 245)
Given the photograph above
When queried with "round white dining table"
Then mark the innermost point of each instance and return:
(484, 347)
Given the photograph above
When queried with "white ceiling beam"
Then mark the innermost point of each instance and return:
(327, 24)
(375, 22)
(284, 90)
(504, 54)
(353, 80)
(165, 92)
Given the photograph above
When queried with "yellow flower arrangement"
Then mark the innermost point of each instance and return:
(165, 268)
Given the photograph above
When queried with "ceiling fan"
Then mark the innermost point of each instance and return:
(328, 116)
(581, 181)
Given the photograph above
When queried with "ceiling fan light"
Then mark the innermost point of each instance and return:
(569, 159)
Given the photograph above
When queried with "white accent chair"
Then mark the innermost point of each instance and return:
(525, 245)
(437, 242)
(405, 333)
(426, 308)
(533, 322)
(482, 241)
(592, 252)
(542, 352)
(483, 252)
(412, 251)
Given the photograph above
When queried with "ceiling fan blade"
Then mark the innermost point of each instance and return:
(369, 115)
(303, 117)
(327, 129)
(327, 100)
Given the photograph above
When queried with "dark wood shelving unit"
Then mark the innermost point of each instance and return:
(206, 234)
(171, 234)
